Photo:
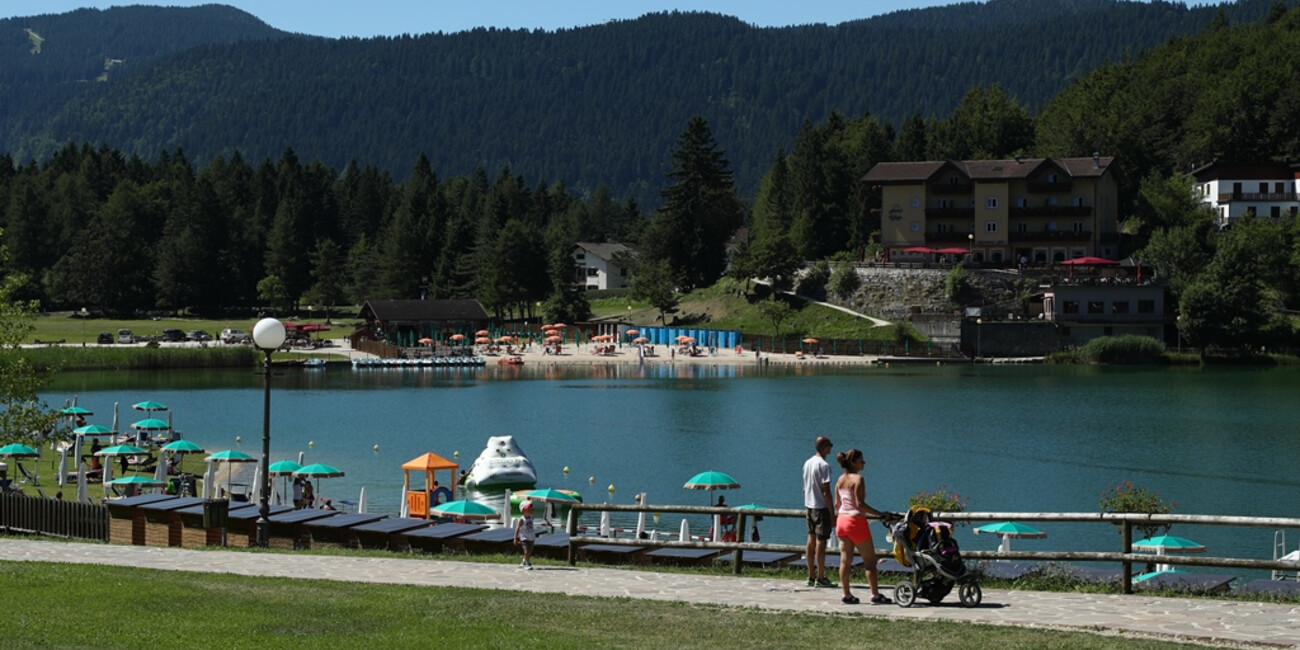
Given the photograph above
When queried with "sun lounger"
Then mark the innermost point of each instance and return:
(491, 540)
(435, 539)
(288, 530)
(1274, 587)
(612, 553)
(1091, 573)
(760, 558)
(683, 556)
(1006, 570)
(338, 531)
(1199, 582)
(389, 534)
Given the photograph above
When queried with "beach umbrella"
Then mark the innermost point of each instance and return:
(548, 495)
(559, 326)
(711, 481)
(457, 337)
(482, 340)
(481, 333)
(552, 332)
(17, 450)
(285, 469)
(425, 341)
(1008, 529)
(633, 332)
(640, 339)
(810, 340)
(464, 510)
(121, 450)
(230, 456)
(74, 411)
(183, 447)
(148, 406)
(209, 477)
(1162, 544)
(151, 424)
(93, 430)
(318, 471)
(138, 481)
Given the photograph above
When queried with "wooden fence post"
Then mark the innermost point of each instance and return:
(1126, 575)
(740, 537)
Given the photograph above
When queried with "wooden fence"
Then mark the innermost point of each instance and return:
(1125, 522)
(53, 517)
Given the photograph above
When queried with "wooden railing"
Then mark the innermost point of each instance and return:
(1125, 522)
(37, 516)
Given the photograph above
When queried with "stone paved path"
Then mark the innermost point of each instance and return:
(1207, 621)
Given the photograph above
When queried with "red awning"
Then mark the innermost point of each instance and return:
(1089, 261)
(918, 249)
(953, 250)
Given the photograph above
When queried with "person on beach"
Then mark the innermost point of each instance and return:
(308, 495)
(524, 534)
(852, 526)
(297, 493)
(817, 500)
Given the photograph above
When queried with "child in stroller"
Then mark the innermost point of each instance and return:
(930, 550)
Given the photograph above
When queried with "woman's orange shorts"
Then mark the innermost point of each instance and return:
(854, 529)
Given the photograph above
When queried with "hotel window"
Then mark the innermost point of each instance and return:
(592, 272)
(580, 256)
(1070, 307)
(1022, 227)
(1052, 201)
(1078, 201)
(990, 202)
(1078, 226)
(942, 227)
(1146, 306)
(1022, 202)
(1263, 188)
(1119, 307)
(916, 226)
(1278, 188)
(1051, 226)
(953, 180)
(916, 203)
(622, 271)
(991, 226)
(1096, 307)
(943, 204)
(1051, 178)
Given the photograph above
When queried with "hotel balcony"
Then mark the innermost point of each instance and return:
(950, 213)
(1050, 211)
(952, 188)
(1270, 196)
(1051, 236)
(1059, 187)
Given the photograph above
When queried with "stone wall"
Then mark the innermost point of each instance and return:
(899, 294)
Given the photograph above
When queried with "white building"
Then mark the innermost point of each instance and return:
(1232, 190)
(595, 268)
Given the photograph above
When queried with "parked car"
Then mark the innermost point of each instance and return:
(125, 336)
(172, 336)
(234, 336)
(198, 335)
(105, 338)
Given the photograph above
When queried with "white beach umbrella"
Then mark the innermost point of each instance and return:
(685, 533)
(209, 477)
(361, 501)
(640, 517)
(406, 507)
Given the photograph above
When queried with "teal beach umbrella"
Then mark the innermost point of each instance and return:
(94, 430)
(17, 450)
(151, 424)
(464, 510)
(183, 447)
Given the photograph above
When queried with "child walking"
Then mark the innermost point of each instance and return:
(524, 533)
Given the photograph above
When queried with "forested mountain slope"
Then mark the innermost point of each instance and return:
(594, 105)
(49, 60)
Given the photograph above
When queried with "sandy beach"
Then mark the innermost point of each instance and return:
(627, 355)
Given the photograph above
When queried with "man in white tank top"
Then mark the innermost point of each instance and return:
(817, 500)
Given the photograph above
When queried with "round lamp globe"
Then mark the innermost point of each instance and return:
(268, 334)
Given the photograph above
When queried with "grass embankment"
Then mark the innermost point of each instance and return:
(72, 330)
(74, 357)
(188, 610)
(727, 306)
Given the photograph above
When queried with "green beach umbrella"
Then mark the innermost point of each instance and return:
(1168, 544)
(711, 481)
(318, 470)
(121, 450)
(17, 450)
(464, 510)
(548, 495)
(283, 468)
(75, 410)
(137, 480)
(151, 424)
(750, 506)
(148, 406)
(94, 430)
(1010, 529)
(183, 447)
(231, 456)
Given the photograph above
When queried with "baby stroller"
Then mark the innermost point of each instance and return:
(929, 549)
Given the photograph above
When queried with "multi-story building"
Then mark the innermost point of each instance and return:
(1041, 210)
(1233, 190)
(595, 266)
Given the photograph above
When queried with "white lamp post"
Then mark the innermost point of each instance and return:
(268, 336)
(970, 248)
(979, 336)
(84, 315)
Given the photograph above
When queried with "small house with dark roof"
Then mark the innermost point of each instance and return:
(405, 322)
(596, 266)
(1043, 210)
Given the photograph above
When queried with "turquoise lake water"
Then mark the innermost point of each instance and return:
(1009, 438)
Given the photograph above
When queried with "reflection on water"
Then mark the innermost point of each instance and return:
(1034, 438)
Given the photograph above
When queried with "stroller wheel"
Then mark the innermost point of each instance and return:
(970, 594)
(905, 593)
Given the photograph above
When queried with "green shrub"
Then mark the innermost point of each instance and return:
(1123, 349)
(941, 500)
(813, 281)
(844, 280)
(1127, 498)
(956, 283)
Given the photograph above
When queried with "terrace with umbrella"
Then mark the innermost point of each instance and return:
(1166, 576)
(14, 452)
(229, 458)
(318, 471)
(464, 511)
(711, 481)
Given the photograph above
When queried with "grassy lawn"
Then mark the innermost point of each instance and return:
(70, 329)
(719, 307)
(86, 606)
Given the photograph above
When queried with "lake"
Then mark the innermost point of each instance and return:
(1008, 438)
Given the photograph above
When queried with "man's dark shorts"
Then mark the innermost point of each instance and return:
(820, 523)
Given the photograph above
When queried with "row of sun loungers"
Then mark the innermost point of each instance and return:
(164, 520)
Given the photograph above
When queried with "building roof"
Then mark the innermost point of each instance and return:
(604, 251)
(1261, 170)
(887, 173)
(425, 310)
